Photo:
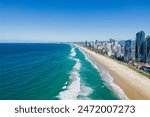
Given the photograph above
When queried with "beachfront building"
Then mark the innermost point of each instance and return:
(108, 49)
(96, 44)
(112, 41)
(122, 50)
(118, 51)
(133, 51)
(92, 44)
(139, 47)
(148, 49)
(127, 50)
(86, 43)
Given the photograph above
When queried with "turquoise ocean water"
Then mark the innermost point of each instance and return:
(52, 72)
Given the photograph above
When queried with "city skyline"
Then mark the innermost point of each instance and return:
(134, 53)
(57, 21)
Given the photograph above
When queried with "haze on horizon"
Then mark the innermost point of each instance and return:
(72, 20)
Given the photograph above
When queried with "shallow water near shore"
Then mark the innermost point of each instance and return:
(50, 72)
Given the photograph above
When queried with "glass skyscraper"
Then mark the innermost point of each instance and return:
(127, 50)
(140, 47)
(148, 49)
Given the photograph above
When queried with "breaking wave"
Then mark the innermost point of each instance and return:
(105, 75)
(74, 88)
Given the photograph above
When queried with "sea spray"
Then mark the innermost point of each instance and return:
(105, 75)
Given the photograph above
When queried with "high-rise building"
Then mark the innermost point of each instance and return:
(96, 44)
(140, 47)
(147, 57)
(118, 51)
(122, 44)
(112, 41)
(127, 50)
(86, 43)
(109, 50)
(92, 44)
(133, 50)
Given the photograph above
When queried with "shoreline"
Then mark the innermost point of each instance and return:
(135, 85)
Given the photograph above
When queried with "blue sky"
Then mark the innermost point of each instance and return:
(72, 20)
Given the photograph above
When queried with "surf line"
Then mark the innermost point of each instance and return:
(73, 89)
(105, 75)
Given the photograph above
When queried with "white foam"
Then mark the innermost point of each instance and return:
(77, 65)
(75, 87)
(73, 53)
(106, 76)
(64, 87)
(85, 90)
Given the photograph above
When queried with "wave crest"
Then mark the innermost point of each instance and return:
(75, 89)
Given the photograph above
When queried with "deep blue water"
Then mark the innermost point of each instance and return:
(48, 72)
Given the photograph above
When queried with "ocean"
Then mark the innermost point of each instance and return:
(52, 71)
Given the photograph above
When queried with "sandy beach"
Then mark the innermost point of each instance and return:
(135, 85)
